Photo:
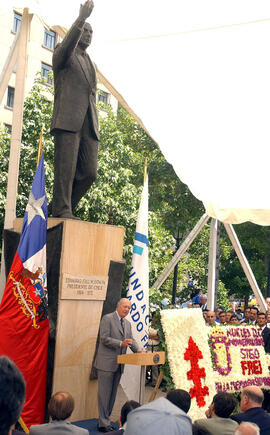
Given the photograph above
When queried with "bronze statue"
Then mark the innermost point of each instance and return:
(75, 121)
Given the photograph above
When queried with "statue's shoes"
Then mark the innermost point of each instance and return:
(67, 216)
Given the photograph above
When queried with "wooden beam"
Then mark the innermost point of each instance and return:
(16, 134)
(9, 65)
(246, 267)
(181, 251)
(211, 286)
(155, 391)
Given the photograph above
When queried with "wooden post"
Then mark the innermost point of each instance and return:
(9, 65)
(181, 251)
(217, 259)
(154, 393)
(212, 271)
(246, 267)
(16, 134)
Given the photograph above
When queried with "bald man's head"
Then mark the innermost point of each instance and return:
(123, 307)
(247, 428)
(211, 318)
(61, 405)
(251, 397)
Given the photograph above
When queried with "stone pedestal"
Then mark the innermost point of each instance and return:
(87, 249)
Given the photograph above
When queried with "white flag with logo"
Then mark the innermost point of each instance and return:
(138, 294)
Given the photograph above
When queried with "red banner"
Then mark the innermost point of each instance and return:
(25, 341)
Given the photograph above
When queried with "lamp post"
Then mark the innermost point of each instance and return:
(175, 272)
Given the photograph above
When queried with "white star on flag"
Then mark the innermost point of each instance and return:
(34, 207)
(37, 292)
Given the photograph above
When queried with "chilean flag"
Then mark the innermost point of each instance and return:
(24, 325)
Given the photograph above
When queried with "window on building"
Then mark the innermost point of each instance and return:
(16, 22)
(49, 39)
(8, 127)
(103, 97)
(44, 72)
(10, 97)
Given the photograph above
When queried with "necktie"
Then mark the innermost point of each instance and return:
(122, 323)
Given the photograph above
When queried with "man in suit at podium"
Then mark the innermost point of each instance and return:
(115, 337)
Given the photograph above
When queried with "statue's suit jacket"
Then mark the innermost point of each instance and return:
(62, 427)
(75, 84)
(111, 334)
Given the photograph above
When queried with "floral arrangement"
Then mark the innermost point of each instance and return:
(240, 359)
(189, 356)
(204, 360)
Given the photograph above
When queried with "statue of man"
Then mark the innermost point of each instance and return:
(75, 121)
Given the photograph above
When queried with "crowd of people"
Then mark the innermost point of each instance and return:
(165, 415)
(251, 316)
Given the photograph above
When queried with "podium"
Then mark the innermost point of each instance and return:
(143, 360)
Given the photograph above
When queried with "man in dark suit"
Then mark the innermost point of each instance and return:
(75, 121)
(262, 323)
(253, 315)
(115, 337)
(246, 316)
(251, 405)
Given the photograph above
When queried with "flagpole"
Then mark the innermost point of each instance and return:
(40, 151)
(40, 145)
(138, 290)
(145, 170)
(23, 425)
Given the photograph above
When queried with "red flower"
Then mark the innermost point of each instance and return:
(193, 354)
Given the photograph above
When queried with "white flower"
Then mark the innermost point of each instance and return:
(180, 325)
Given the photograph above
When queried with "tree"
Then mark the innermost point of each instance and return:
(255, 242)
(123, 148)
(120, 173)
